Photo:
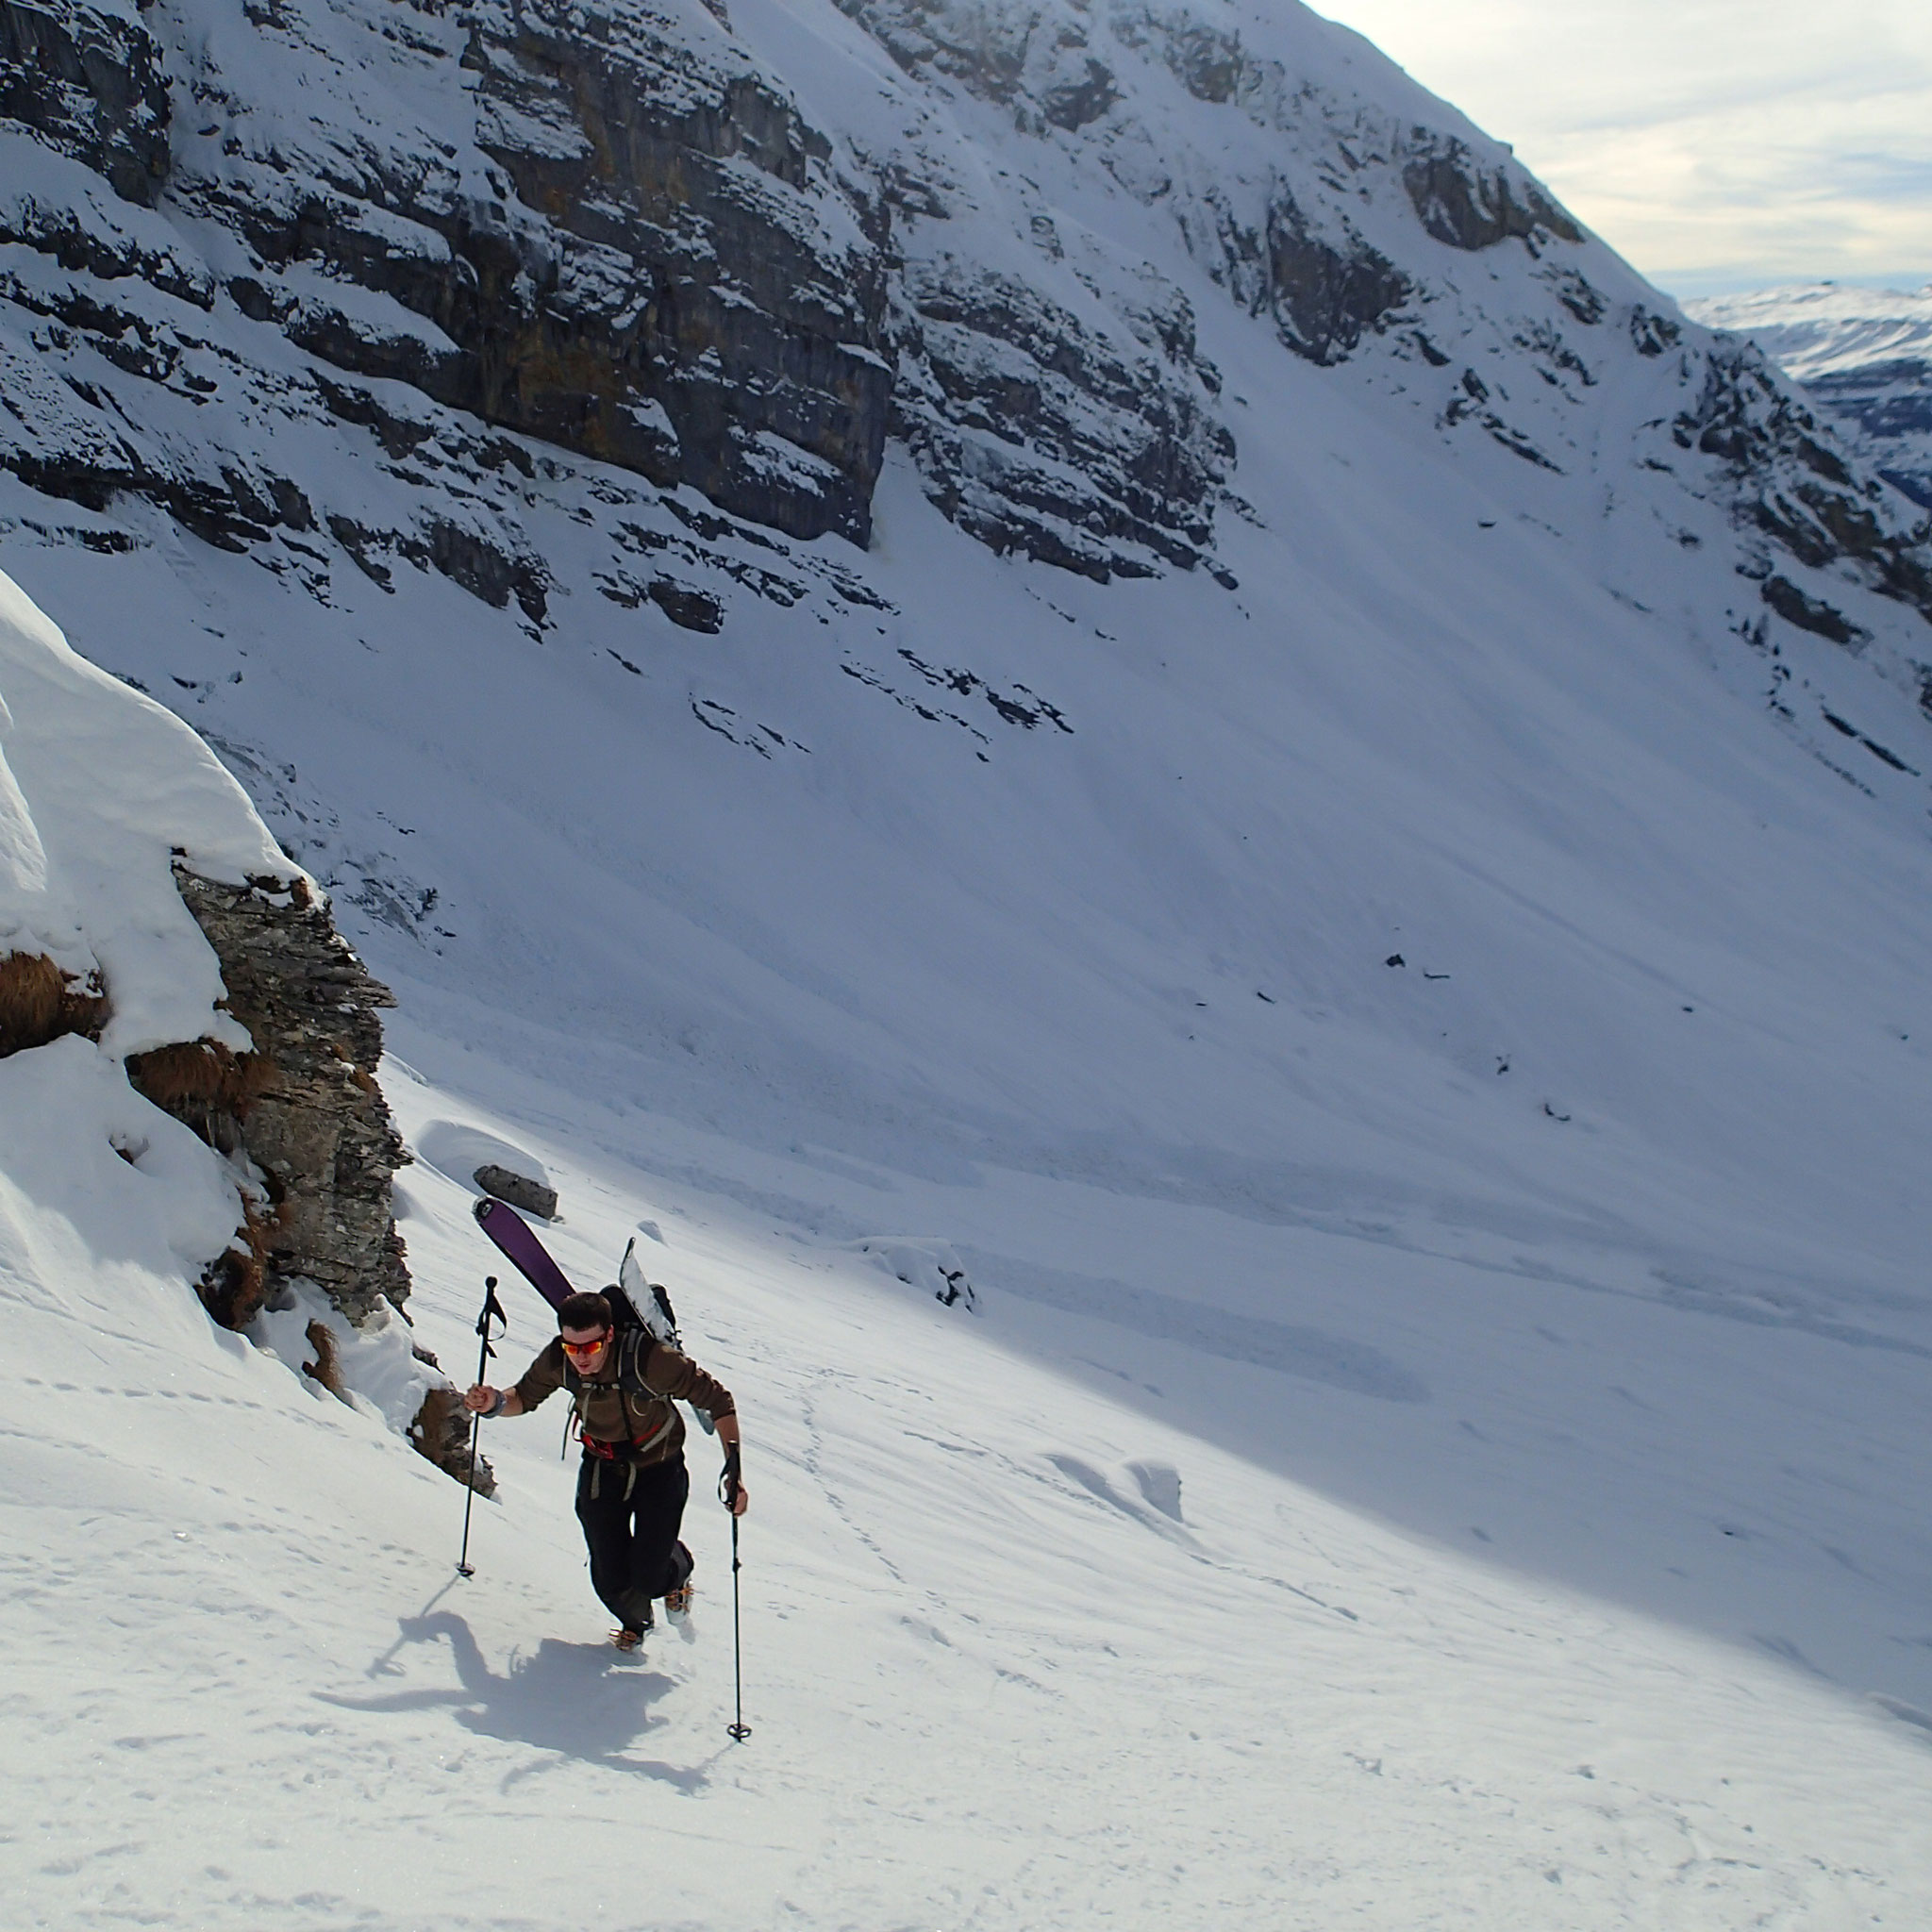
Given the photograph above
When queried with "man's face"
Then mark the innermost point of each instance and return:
(586, 1348)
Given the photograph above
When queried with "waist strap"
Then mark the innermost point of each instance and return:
(631, 1450)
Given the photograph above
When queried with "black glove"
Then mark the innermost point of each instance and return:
(728, 1480)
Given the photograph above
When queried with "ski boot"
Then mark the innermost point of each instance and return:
(677, 1601)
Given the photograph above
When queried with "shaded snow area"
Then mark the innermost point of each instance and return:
(1045, 1622)
(1236, 888)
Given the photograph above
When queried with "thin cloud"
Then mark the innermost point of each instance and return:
(1714, 142)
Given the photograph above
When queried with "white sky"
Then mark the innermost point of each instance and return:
(1717, 144)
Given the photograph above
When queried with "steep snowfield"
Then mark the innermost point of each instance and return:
(1020, 1650)
(1549, 1439)
(1412, 1016)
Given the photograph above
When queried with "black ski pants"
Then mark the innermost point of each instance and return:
(631, 1514)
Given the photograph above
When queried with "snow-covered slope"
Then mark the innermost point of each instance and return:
(1353, 841)
(1022, 1646)
(1864, 354)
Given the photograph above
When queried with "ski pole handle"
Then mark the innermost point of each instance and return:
(728, 1483)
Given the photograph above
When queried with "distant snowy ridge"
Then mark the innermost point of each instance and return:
(1865, 355)
(1826, 328)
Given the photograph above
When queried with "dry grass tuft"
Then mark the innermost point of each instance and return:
(326, 1368)
(233, 1288)
(235, 1284)
(38, 1002)
(203, 1084)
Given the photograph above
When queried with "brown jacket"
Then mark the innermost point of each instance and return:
(607, 1413)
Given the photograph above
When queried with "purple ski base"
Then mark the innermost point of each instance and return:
(523, 1250)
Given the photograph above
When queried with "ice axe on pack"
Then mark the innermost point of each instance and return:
(493, 1312)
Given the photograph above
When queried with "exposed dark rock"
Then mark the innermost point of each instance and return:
(110, 253)
(485, 569)
(1073, 103)
(1209, 63)
(519, 1191)
(1036, 434)
(654, 282)
(362, 544)
(303, 1105)
(227, 509)
(688, 609)
(1887, 407)
(680, 319)
(443, 1432)
(1810, 613)
(1653, 334)
(89, 81)
(1327, 295)
(982, 48)
(1576, 294)
(1468, 206)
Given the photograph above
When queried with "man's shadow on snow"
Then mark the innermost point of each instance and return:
(574, 1699)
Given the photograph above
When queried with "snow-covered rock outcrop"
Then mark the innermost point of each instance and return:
(168, 969)
(137, 867)
(103, 793)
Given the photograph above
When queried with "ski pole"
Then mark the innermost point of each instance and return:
(492, 1306)
(727, 1493)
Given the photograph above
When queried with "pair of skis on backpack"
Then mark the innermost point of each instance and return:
(635, 1303)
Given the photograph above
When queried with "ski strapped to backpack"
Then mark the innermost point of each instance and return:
(637, 1305)
(649, 1305)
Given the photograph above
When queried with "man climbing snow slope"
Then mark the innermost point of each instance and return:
(633, 1484)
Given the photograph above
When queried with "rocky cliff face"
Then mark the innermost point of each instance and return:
(88, 81)
(303, 1110)
(303, 1105)
(631, 299)
(604, 230)
(237, 242)
(634, 249)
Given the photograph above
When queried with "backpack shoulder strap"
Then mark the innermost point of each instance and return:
(632, 1353)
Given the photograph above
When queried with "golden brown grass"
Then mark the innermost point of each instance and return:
(38, 1002)
(231, 1288)
(201, 1076)
(203, 1086)
(326, 1368)
(235, 1284)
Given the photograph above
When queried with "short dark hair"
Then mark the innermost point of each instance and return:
(583, 1311)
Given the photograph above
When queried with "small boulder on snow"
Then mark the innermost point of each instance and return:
(473, 1157)
(518, 1191)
